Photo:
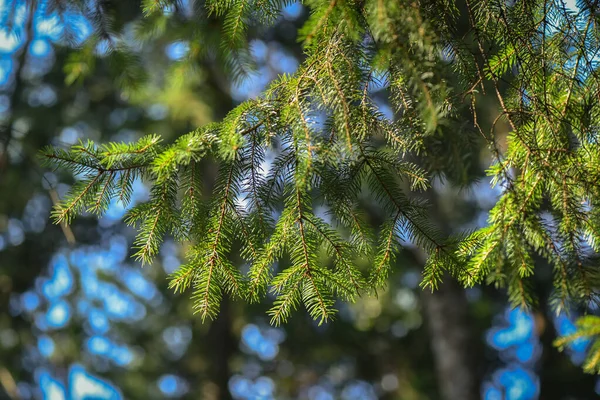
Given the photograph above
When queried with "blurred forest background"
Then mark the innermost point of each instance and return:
(80, 320)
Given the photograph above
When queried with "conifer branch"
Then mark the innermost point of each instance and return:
(334, 143)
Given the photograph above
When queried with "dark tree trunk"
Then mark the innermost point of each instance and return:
(451, 341)
(222, 346)
(559, 377)
(456, 351)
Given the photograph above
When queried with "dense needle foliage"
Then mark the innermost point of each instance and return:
(297, 164)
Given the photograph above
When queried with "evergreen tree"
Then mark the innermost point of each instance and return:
(298, 164)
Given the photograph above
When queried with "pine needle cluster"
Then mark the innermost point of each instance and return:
(297, 163)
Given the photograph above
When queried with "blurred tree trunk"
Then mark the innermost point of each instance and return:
(446, 314)
(222, 345)
(12, 280)
(451, 341)
(560, 378)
